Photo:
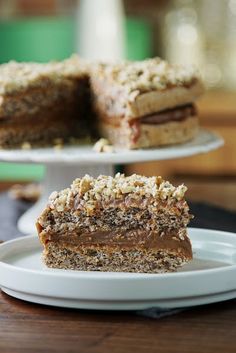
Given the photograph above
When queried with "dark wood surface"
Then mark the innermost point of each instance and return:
(26, 328)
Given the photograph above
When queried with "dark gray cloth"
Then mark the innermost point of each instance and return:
(10, 211)
(212, 217)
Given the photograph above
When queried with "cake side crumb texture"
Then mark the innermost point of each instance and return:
(89, 259)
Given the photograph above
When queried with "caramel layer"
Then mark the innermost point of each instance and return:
(132, 239)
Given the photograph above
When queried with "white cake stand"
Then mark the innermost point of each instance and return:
(63, 166)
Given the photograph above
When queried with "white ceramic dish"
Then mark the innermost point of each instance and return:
(204, 142)
(209, 278)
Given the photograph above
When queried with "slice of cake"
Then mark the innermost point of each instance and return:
(40, 103)
(147, 103)
(130, 224)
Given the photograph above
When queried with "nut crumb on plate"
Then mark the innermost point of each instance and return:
(103, 145)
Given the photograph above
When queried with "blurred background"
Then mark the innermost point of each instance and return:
(198, 32)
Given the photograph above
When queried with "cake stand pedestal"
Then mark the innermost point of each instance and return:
(63, 166)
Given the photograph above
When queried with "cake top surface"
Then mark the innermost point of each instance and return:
(106, 188)
(17, 76)
(133, 76)
(146, 75)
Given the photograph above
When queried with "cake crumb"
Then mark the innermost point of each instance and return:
(103, 145)
(58, 141)
(26, 146)
(58, 147)
(108, 148)
(29, 192)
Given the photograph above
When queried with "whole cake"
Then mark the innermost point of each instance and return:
(129, 224)
(133, 104)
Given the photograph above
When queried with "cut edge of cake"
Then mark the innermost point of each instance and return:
(125, 93)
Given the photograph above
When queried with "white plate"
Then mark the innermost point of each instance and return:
(204, 142)
(209, 278)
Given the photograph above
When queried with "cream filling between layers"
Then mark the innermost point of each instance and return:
(176, 240)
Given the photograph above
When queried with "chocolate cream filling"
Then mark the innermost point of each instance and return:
(165, 116)
(173, 114)
(176, 114)
(135, 238)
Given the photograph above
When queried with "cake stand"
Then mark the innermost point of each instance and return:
(64, 165)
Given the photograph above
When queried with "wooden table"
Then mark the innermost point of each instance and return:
(33, 328)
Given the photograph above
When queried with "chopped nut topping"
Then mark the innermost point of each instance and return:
(146, 75)
(53, 195)
(179, 192)
(91, 190)
(85, 185)
(15, 76)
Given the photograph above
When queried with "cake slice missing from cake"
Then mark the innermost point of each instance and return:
(129, 224)
(146, 103)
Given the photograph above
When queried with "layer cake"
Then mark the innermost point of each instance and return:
(130, 224)
(133, 104)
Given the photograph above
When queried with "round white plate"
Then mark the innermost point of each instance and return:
(204, 142)
(209, 278)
